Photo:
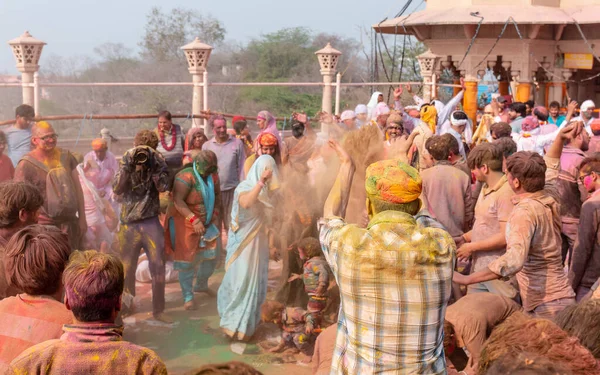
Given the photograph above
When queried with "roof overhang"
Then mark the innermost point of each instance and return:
(492, 15)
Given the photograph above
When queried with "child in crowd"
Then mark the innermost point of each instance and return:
(315, 276)
(297, 325)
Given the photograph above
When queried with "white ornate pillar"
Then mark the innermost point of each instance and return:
(427, 63)
(27, 51)
(197, 55)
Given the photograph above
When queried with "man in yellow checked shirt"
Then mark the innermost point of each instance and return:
(394, 277)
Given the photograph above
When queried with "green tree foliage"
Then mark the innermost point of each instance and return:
(167, 32)
(274, 56)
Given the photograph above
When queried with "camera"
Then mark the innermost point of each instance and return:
(141, 156)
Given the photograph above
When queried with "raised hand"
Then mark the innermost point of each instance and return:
(572, 106)
(397, 93)
(339, 150)
(266, 175)
(300, 117)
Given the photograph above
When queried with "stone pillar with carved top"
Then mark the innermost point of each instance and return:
(427, 62)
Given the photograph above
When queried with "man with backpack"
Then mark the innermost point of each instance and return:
(54, 172)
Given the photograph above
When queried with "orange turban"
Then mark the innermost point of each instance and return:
(429, 116)
(393, 181)
(99, 144)
(267, 139)
(595, 126)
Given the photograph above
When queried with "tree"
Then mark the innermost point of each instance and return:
(274, 56)
(167, 32)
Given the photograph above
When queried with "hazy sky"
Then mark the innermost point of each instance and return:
(75, 27)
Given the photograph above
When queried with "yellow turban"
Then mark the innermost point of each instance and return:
(99, 144)
(393, 181)
(429, 116)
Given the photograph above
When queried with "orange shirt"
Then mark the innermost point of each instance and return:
(27, 321)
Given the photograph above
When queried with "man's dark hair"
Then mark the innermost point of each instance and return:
(506, 145)
(93, 284)
(529, 168)
(35, 259)
(146, 138)
(165, 114)
(24, 110)
(2, 138)
(519, 108)
(541, 113)
(452, 143)
(239, 126)
(501, 129)
(520, 334)
(530, 104)
(439, 146)
(581, 321)
(460, 115)
(16, 196)
(485, 154)
(554, 104)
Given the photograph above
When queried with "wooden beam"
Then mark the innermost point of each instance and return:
(534, 31)
(469, 31)
(558, 31)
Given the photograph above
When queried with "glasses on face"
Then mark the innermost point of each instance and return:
(48, 137)
(488, 113)
(581, 178)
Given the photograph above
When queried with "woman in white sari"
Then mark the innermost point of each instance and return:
(244, 287)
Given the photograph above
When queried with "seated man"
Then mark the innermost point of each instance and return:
(93, 284)
(470, 320)
(394, 277)
(35, 259)
(19, 206)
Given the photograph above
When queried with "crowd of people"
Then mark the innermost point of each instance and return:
(477, 251)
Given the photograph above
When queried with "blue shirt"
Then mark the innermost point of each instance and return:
(559, 120)
(19, 143)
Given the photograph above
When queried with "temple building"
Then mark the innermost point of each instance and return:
(550, 53)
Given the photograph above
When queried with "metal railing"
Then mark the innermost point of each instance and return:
(338, 85)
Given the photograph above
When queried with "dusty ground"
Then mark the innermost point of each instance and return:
(195, 339)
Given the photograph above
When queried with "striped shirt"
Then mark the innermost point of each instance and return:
(395, 279)
(26, 321)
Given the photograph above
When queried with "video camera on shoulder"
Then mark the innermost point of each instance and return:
(142, 157)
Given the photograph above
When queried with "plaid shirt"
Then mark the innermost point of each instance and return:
(394, 279)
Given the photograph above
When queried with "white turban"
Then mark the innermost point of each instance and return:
(381, 109)
(347, 115)
(361, 108)
(588, 104)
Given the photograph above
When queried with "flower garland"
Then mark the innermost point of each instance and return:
(173, 139)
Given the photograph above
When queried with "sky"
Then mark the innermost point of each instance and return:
(74, 27)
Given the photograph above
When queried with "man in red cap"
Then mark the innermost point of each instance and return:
(594, 144)
(242, 132)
